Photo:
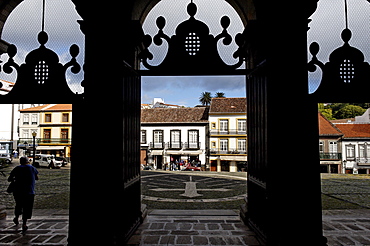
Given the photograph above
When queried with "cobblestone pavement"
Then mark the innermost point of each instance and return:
(193, 190)
(347, 227)
(189, 227)
(47, 227)
(172, 227)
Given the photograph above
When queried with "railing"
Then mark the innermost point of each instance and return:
(156, 145)
(192, 145)
(174, 145)
(215, 151)
(330, 156)
(363, 161)
(228, 132)
(45, 141)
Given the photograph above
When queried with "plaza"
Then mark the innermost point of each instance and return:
(190, 208)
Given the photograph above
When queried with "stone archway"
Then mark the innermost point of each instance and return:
(110, 200)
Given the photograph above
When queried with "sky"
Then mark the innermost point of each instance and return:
(24, 24)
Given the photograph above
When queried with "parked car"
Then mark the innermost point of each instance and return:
(60, 161)
(5, 158)
(190, 168)
(42, 160)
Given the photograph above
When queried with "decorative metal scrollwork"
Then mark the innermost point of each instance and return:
(192, 50)
(41, 77)
(346, 76)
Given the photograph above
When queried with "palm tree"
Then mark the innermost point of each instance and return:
(220, 94)
(205, 98)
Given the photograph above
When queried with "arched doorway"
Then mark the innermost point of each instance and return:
(271, 189)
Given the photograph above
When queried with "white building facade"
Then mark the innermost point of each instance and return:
(174, 135)
(228, 134)
(355, 148)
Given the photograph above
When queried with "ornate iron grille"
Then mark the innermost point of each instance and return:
(41, 72)
(346, 71)
(192, 44)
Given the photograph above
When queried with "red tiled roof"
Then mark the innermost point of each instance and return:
(49, 107)
(326, 128)
(172, 115)
(355, 130)
(228, 105)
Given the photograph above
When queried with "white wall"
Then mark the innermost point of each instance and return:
(184, 138)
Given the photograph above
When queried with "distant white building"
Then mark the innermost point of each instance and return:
(5, 86)
(159, 103)
(355, 148)
(365, 118)
(170, 135)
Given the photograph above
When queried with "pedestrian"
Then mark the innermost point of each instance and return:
(24, 177)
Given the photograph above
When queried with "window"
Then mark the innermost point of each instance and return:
(64, 135)
(25, 133)
(242, 145)
(47, 135)
(224, 125)
(65, 117)
(158, 138)
(34, 119)
(350, 151)
(213, 144)
(321, 147)
(143, 137)
(224, 145)
(175, 139)
(242, 125)
(333, 147)
(364, 150)
(26, 119)
(193, 139)
(47, 117)
(333, 150)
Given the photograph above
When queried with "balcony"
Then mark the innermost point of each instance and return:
(174, 145)
(46, 141)
(215, 132)
(330, 156)
(156, 145)
(363, 161)
(192, 145)
(216, 151)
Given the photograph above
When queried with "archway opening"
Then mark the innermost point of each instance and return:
(184, 93)
(37, 128)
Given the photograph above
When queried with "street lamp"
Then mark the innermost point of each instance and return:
(34, 147)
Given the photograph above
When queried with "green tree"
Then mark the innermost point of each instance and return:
(220, 94)
(327, 112)
(205, 98)
(349, 111)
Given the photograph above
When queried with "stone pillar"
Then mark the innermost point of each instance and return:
(218, 165)
(105, 192)
(284, 202)
(233, 166)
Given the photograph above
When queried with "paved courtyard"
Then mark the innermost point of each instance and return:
(170, 195)
(193, 190)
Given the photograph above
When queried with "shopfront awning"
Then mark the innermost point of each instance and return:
(50, 147)
(156, 152)
(198, 152)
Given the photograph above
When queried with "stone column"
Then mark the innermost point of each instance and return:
(218, 164)
(233, 167)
